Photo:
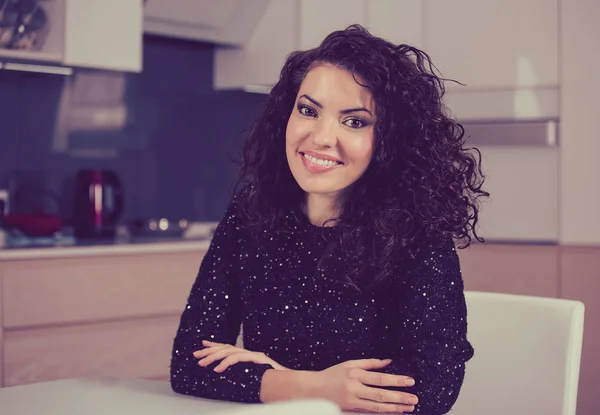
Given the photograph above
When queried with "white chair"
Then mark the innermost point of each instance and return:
(527, 355)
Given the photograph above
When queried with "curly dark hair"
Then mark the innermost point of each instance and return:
(422, 184)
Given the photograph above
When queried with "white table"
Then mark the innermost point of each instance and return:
(132, 397)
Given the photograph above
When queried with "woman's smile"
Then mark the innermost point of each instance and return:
(319, 163)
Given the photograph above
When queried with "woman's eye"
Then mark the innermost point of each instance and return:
(307, 111)
(354, 123)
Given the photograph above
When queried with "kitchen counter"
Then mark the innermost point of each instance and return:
(158, 247)
(196, 239)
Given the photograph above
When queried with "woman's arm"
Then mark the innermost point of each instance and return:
(213, 312)
(431, 344)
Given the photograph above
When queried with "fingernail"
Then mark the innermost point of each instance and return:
(217, 369)
(410, 382)
(413, 400)
(387, 360)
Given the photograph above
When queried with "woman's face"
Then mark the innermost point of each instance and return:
(329, 135)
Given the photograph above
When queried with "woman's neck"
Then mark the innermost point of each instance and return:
(320, 208)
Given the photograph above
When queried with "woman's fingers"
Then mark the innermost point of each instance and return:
(239, 357)
(198, 354)
(220, 353)
(386, 396)
(379, 407)
(384, 379)
(368, 364)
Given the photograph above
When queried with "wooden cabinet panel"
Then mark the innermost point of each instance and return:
(319, 18)
(134, 349)
(512, 269)
(90, 44)
(494, 44)
(396, 21)
(1, 333)
(73, 290)
(580, 280)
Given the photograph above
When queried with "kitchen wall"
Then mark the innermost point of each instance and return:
(174, 154)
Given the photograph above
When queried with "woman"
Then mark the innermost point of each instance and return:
(338, 258)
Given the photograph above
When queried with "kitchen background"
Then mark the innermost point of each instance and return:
(174, 148)
(163, 99)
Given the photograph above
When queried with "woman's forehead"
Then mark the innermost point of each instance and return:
(332, 86)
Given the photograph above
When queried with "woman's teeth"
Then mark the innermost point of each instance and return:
(326, 163)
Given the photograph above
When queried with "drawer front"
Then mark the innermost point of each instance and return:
(138, 348)
(76, 290)
(517, 269)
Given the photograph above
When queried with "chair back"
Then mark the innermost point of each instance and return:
(527, 355)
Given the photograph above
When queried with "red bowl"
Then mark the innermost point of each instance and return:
(39, 224)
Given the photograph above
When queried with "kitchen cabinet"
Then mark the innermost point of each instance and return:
(524, 198)
(580, 146)
(292, 25)
(319, 18)
(494, 44)
(224, 22)
(102, 34)
(399, 21)
(511, 269)
(580, 280)
(569, 272)
(505, 52)
(92, 315)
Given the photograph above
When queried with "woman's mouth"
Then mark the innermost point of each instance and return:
(316, 165)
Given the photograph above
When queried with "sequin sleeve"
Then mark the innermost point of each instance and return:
(214, 312)
(431, 345)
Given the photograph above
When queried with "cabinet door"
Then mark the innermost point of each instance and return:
(399, 21)
(319, 18)
(129, 348)
(104, 34)
(494, 44)
(40, 292)
(511, 269)
(580, 280)
(260, 61)
(191, 12)
(1, 333)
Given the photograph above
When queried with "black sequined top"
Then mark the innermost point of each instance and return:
(307, 320)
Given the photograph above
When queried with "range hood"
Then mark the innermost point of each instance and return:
(226, 22)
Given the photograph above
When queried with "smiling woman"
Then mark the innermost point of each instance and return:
(337, 251)
(330, 130)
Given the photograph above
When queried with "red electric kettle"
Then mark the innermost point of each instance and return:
(98, 203)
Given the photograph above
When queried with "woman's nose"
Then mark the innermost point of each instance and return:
(324, 134)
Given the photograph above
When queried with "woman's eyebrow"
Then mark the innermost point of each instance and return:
(314, 101)
(318, 104)
(356, 110)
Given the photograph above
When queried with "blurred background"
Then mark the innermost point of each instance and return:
(136, 112)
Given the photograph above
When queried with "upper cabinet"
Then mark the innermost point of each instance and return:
(494, 44)
(228, 22)
(291, 25)
(505, 52)
(399, 21)
(102, 34)
(317, 18)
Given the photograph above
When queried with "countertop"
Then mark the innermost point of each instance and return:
(196, 239)
(133, 397)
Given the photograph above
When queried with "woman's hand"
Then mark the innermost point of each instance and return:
(230, 355)
(351, 386)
